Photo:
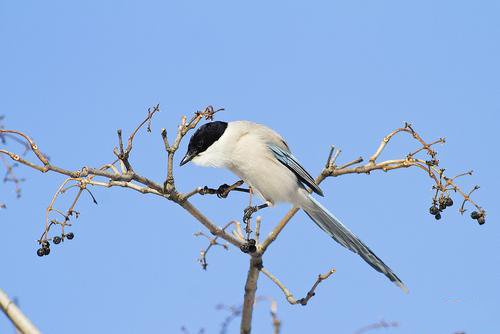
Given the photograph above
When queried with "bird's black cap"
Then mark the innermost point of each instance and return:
(203, 138)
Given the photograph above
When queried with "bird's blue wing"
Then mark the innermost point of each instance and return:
(287, 159)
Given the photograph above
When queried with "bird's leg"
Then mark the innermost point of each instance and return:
(224, 189)
(250, 245)
(250, 210)
(247, 215)
(250, 193)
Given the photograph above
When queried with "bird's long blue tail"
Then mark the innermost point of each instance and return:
(333, 227)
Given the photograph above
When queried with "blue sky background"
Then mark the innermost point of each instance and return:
(320, 73)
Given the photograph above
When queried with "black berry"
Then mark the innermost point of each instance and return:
(70, 235)
(40, 252)
(475, 215)
(434, 210)
(252, 249)
(449, 201)
(56, 240)
(481, 220)
(251, 241)
(46, 251)
(437, 216)
(45, 244)
(442, 206)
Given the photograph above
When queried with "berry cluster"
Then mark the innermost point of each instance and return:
(440, 206)
(45, 249)
(479, 216)
(249, 247)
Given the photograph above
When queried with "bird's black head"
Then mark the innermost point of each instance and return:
(203, 138)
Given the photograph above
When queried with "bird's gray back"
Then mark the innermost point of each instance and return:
(254, 162)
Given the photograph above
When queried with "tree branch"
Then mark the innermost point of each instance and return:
(442, 184)
(249, 297)
(19, 320)
(235, 312)
(85, 176)
(289, 296)
(109, 175)
(377, 325)
(211, 242)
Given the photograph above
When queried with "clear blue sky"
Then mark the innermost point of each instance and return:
(320, 73)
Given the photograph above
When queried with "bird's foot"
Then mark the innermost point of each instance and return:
(248, 212)
(249, 246)
(247, 217)
(223, 190)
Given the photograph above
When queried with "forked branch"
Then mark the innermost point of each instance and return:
(109, 176)
(289, 296)
(120, 173)
(443, 185)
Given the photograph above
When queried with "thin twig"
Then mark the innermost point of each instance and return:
(377, 325)
(289, 296)
(128, 178)
(202, 259)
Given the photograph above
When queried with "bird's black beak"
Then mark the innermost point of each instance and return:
(187, 158)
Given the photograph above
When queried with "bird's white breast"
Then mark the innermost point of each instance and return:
(243, 150)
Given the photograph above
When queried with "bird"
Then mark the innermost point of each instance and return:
(263, 160)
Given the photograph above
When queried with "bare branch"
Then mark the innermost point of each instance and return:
(110, 175)
(10, 175)
(128, 179)
(184, 330)
(351, 163)
(182, 130)
(202, 259)
(274, 316)
(442, 184)
(329, 158)
(249, 297)
(209, 225)
(236, 311)
(19, 320)
(377, 325)
(151, 112)
(258, 221)
(123, 153)
(289, 296)
(30, 142)
(408, 129)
